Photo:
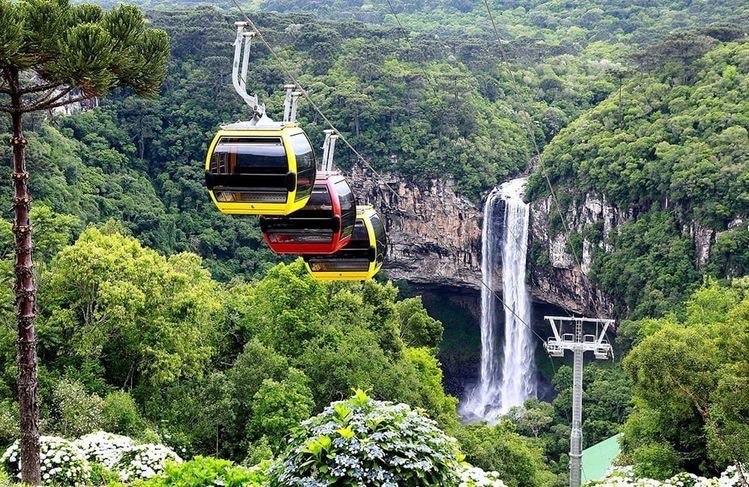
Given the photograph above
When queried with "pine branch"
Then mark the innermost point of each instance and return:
(6, 109)
(66, 102)
(39, 88)
(39, 103)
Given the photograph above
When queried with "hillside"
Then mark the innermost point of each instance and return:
(673, 154)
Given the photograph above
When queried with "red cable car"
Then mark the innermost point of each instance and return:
(323, 226)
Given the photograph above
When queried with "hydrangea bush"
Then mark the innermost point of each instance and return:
(365, 442)
(625, 477)
(476, 477)
(62, 463)
(105, 448)
(142, 462)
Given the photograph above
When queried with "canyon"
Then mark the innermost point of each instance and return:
(435, 240)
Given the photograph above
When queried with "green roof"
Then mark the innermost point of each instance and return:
(598, 458)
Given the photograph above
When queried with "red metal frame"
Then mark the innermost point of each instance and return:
(301, 248)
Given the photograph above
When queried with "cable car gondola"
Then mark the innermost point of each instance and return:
(260, 169)
(361, 259)
(323, 226)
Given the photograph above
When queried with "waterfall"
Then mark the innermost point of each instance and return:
(518, 367)
(509, 383)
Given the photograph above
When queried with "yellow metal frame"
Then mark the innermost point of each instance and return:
(364, 213)
(247, 208)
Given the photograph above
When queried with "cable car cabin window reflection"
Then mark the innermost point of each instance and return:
(348, 208)
(262, 158)
(380, 237)
(234, 155)
(305, 164)
(305, 225)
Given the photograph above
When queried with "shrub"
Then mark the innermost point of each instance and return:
(119, 414)
(145, 461)
(75, 411)
(62, 463)
(101, 475)
(656, 460)
(476, 477)
(8, 423)
(105, 448)
(202, 471)
(367, 442)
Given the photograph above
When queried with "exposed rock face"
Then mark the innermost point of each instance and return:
(433, 234)
(564, 281)
(434, 239)
(703, 238)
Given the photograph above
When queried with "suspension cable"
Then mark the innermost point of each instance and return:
(306, 95)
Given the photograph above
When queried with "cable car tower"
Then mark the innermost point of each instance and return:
(569, 335)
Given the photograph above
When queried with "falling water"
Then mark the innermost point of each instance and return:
(501, 388)
(518, 367)
(483, 401)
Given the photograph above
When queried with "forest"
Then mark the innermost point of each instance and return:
(177, 331)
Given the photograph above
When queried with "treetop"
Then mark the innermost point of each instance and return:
(50, 49)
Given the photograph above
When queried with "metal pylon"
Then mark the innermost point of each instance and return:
(573, 338)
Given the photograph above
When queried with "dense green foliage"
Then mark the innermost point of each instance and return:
(223, 369)
(518, 461)
(681, 139)
(690, 377)
(672, 150)
(202, 471)
(559, 25)
(226, 353)
(650, 267)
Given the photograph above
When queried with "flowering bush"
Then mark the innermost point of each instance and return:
(367, 442)
(625, 477)
(144, 461)
(475, 477)
(62, 463)
(105, 448)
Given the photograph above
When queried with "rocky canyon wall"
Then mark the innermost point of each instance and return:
(433, 233)
(434, 239)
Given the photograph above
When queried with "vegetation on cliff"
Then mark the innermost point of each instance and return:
(672, 152)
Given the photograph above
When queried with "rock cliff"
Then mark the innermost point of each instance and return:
(433, 233)
(434, 239)
(561, 276)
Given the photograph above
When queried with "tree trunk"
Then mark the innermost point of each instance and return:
(25, 305)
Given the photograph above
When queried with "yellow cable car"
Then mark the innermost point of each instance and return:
(260, 169)
(361, 259)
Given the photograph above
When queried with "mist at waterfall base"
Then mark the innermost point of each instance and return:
(459, 310)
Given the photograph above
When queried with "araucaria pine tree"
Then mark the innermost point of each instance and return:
(54, 54)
